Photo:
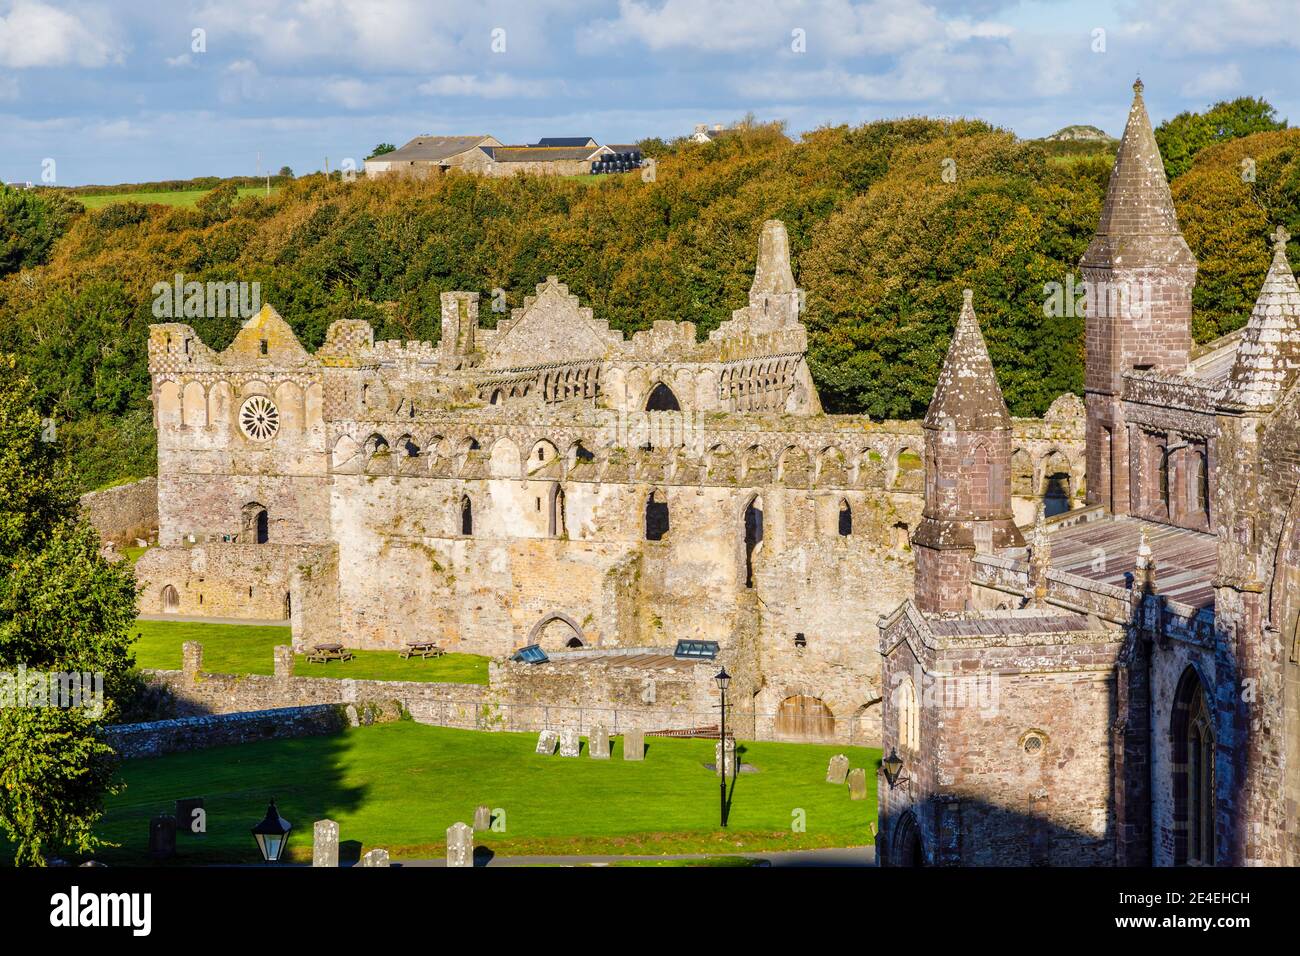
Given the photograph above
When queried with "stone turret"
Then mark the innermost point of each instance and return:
(773, 297)
(1269, 354)
(459, 323)
(967, 472)
(1138, 274)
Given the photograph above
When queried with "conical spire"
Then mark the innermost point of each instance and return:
(1139, 211)
(773, 275)
(967, 396)
(1269, 354)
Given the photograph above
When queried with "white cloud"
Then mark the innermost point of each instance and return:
(35, 34)
(492, 86)
(184, 60)
(835, 28)
(1214, 81)
(351, 93)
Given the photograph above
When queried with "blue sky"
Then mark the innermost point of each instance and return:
(127, 91)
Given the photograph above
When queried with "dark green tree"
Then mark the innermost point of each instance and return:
(1186, 134)
(63, 609)
(381, 149)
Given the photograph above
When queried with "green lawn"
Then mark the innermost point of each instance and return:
(180, 197)
(247, 649)
(400, 785)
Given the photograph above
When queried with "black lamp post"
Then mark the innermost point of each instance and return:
(723, 679)
(272, 834)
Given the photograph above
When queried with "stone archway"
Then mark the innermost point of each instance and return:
(566, 637)
(803, 717)
(171, 600)
(906, 849)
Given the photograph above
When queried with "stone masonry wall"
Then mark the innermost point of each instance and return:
(124, 513)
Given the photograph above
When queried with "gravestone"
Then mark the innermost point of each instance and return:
(460, 845)
(376, 857)
(857, 784)
(325, 843)
(725, 766)
(838, 769)
(598, 743)
(634, 745)
(546, 741)
(188, 822)
(483, 817)
(570, 744)
(162, 837)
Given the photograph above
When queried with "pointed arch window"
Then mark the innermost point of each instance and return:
(466, 516)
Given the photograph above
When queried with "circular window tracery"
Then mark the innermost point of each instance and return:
(259, 419)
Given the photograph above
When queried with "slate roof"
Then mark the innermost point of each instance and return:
(1106, 551)
(431, 149)
(566, 141)
(967, 394)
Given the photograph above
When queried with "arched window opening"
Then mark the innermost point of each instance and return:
(171, 600)
(288, 605)
(256, 523)
(466, 516)
(656, 517)
(753, 536)
(1203, 485)
(557, 512)
(1193, 744)
(1163, 476)
(496, 397)
(846, 519)
(662, 399)
(909, 716)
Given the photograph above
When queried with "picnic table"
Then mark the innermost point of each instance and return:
(324, 653)
(421, 649)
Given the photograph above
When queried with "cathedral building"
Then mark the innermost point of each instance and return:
(1120, 683)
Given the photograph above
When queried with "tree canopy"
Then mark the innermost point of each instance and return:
(63, 609)
(1182, 137)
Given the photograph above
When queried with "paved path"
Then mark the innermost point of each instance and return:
(839, 857)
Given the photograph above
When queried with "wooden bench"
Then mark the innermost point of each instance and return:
(421, 649)
(324, 653)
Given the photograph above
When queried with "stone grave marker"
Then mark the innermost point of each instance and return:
(325, 843)
(634, 745)
(376, 857)
(838, 770)
(460, 845)
(162, 837)
(725, 766)
(857, 784)
(482, 817)
(570, 743)
(598, 743)
(546, 741)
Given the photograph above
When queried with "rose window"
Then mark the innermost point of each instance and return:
(259, 419)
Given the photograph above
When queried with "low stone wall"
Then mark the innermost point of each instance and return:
(199, 693)
(570, 692)
(125, 512)
(160, 737)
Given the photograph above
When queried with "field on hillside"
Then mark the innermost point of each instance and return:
(400, 785)
(186, 198)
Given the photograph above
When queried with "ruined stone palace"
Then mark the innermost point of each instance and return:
(1120, 683)
(552, 481)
